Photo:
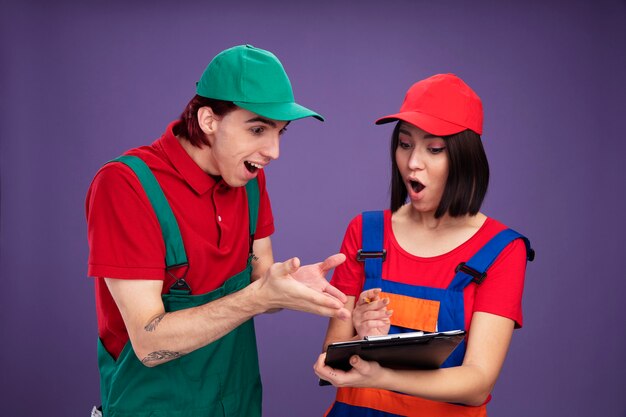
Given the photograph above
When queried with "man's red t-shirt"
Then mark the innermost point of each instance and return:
(125, 238)
(500, 293)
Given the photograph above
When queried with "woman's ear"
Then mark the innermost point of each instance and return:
(207, 120)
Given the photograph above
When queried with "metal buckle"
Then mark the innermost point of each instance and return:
(478, 278)
(179, 283)
(362, 255)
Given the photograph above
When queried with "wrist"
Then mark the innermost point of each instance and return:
(256, 302)
(385, 379)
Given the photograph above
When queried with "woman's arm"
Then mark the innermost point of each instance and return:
(471, 383)
(369, 317)
(340, 330)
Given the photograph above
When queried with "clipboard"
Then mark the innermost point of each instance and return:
(414, 350)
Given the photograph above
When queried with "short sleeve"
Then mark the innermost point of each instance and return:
(501, 292)
(350, 275)
(124, 235)
(265, 222)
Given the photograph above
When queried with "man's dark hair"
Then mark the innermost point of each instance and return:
(189, 127)
(468, 175)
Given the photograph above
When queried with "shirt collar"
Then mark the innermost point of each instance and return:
(199, 180)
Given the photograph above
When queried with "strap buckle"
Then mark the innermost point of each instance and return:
(478, 277)
(251, 246)
(179, 283)
(362, 255)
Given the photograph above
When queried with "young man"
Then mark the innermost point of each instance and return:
(181, 254)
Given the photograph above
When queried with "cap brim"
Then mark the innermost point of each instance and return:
(428, 123)
(279, 111)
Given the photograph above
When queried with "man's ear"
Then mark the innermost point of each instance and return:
(207, 120)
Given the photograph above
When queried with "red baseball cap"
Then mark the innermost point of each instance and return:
(441, 105)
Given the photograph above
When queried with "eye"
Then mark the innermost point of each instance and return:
(436, 151)
(257, 130)
(404, 145)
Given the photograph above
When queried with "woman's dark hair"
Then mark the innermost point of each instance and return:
(189, 127)
(468, 175)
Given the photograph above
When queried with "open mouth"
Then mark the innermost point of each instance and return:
(416, 186)
(252, 167)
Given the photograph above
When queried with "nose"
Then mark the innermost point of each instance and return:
(271, 149)
(416, 160)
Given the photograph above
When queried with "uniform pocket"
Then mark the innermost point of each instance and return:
(413, 313)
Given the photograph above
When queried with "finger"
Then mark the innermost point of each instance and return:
(333, 291)
(319, 363)
(374, 305)
(288, 267)
(332, 262)
(375, 324)
(292, 265)
(318, 310)
(343, 314)
(326, 372)
(321, 300)
(376, 315)
(360, 365)
(370, 295)
(282, 269)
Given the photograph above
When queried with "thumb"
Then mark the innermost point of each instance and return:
(291, 265)
(359, 364)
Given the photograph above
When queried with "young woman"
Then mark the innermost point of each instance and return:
(442, 265)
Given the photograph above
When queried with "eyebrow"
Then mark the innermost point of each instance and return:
(262, 120)
(426, 136)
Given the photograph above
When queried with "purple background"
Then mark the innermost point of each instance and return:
(81, 82)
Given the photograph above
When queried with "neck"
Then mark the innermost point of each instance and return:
(421, 234)
(202, 156)
(428, 221)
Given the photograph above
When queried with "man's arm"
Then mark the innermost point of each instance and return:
(263, 257)
(157, 336)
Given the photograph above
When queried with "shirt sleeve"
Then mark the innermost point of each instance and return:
(265, 222)
(501, 292)
(125, 238)
(350, 275)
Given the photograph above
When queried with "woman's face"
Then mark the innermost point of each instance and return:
(422, 160)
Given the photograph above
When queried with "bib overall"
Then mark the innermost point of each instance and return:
(221, 379)
(417, 308)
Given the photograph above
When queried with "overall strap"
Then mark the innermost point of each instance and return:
(253, 195)
(372, 252)
(175, 254)
(475, 270)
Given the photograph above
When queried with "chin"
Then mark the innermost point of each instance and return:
(234, 182)
(421, 207)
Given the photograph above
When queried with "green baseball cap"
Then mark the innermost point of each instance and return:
(253, 79)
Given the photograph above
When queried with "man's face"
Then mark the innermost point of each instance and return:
(242, 143)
